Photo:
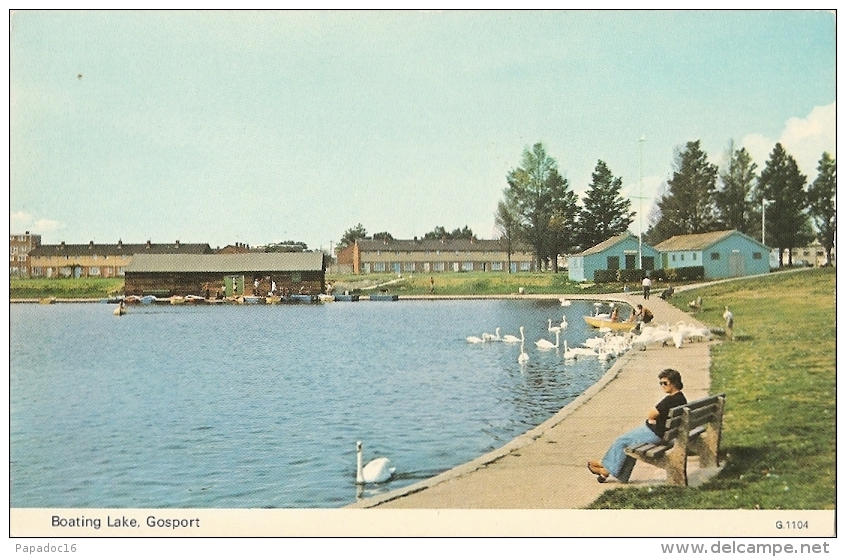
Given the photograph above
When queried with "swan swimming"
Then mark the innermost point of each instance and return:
(544, 344)
(523, 357)
(487, 337)
(475, 340)
(377, 470)
(552, 329)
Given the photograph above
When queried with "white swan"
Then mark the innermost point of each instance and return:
(523, 357)
(568, 354)
(487, 337)
(565, 302)
(563, 322)
(550, 328)
(475, 340)
(377, 470)
(510, 338)
(544, 344)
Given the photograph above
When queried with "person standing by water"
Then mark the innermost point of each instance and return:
(431, 285)
(647, 285)
(616, 462)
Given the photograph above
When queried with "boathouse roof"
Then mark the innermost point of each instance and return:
(226, 263)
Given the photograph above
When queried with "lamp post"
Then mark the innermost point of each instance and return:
(763, 221)
(640, 208)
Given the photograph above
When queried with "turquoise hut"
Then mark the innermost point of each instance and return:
(619, 252)
(726, 253)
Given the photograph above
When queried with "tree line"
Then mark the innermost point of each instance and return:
(539, 209)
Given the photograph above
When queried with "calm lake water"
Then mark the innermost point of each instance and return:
(261, 406)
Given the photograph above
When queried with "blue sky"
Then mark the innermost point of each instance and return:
(258, 127)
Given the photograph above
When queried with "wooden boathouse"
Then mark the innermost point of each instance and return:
(237, 274)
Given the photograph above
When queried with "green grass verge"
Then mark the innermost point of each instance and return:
(64, 288)
(779, 377)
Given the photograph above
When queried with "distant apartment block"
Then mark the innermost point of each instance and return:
(98, 260)
(20, 246)
(432, 256)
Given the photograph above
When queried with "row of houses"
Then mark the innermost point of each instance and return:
(722, 254)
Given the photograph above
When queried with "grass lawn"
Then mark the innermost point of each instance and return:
(64, 288)
(779, 436)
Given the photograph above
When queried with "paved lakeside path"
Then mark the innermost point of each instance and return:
(546, 468)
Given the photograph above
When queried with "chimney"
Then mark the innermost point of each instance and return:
(91, 245)
(148, 244)
(63, 244)
(120, 244)
(177, 244)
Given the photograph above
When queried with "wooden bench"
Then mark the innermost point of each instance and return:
(694, 428)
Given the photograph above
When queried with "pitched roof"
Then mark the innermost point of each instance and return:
(226, 263)
(602, 246)
(120, 248)
(435, 245)
(688, 242)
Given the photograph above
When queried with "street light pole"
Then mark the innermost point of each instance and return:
(640, 208)
(763, 221)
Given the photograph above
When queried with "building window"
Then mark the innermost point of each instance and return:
(613, 262)
(439, 265)
(379, 267)
(525, 266)
(694, 257)
(757, 255)
(467, 266)
(674, 257)
(94, 271)
(682, 257)
(715, 256)
(408, 266)
(496, 266)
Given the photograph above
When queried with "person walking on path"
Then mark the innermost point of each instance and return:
(616, 462)
(647, 285)
(729, 317)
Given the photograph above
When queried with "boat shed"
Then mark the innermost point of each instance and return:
(229, 274)
(722, 254)
(618, 252)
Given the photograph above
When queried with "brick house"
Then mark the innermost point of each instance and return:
(20, 246)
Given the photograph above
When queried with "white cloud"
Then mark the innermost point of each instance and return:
(21, 222)
(805, 139)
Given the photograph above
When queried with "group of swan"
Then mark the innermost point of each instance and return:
(676, 334)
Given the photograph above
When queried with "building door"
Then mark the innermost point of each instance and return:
(737, 265)
(234, 285)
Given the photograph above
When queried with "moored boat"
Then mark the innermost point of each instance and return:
(600, 323)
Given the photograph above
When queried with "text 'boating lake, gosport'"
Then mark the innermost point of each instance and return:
(261, 406)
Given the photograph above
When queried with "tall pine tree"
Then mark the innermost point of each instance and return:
(822, 197)
(783, 187)
(733, 199)
(537, 192)
(604, 213)
(687, 207)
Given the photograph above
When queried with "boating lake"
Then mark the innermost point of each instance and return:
(261, 406)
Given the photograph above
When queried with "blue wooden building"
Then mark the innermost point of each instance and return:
(727, 253)
(619, 252)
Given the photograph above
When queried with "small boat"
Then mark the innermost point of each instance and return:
(346, 297)
(194, 299)
(251, 300)
(326, 297)
(148, 299)
(599, 323)
(45, 301)
(176, 300)
(132, 300)
(302, 299)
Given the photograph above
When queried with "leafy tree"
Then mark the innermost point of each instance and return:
(537, 192)
(605, 213)
(357, 232)
(687, 207)
(822, 201)
(733, 199)
(287, 246)
(440, 233)
(383, 236)
(783, 186)
(507, 222)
